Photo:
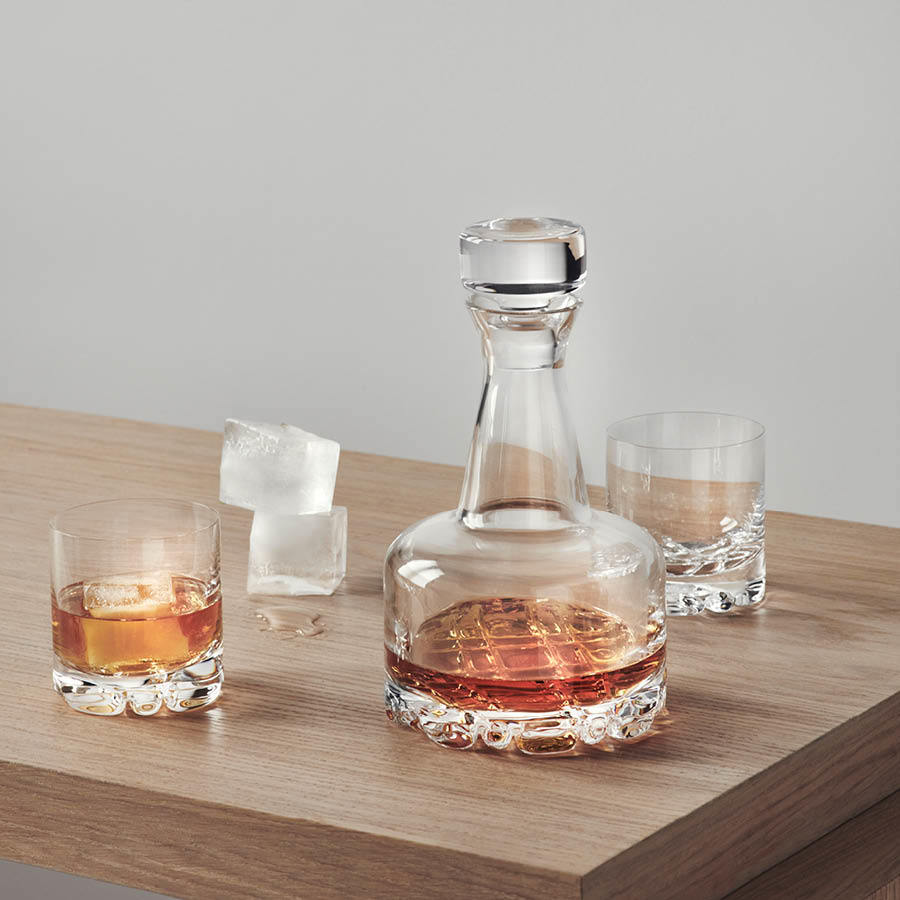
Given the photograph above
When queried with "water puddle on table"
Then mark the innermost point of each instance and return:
(288, 621)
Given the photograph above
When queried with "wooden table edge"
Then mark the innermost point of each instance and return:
(759, 823)
(852, 861)
(47, 821)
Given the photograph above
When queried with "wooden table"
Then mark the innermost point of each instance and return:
(776, 774)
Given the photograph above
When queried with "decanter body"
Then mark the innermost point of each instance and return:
(524, 618)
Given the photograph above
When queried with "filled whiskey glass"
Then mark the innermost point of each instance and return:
(523, 618)
(136, 606)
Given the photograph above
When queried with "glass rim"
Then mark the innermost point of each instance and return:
(212, 515)
(760, 430)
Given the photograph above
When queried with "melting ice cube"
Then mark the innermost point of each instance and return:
(140, 595)
(296, 555)
(277, 468)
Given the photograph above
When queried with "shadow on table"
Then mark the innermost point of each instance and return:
(259, 699)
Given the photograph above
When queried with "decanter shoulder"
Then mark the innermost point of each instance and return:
(609, 529)
(426, 536)
(604, 545)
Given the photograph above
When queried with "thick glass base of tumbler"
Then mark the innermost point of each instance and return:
(691, 597)
(558, 732)
(192, 687)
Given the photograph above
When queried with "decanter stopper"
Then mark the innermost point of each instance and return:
(531, 256)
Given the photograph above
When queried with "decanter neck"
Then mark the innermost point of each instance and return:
(524, 470)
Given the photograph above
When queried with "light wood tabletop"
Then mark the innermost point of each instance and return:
(780, 750)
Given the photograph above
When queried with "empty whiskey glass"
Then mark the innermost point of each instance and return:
(136, 606)
(523, 618)
(696, 481)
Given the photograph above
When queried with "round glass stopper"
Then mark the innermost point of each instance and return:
(523, 256)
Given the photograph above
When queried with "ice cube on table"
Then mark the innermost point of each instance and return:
(137, 595)
(291, 556)
(277, 468)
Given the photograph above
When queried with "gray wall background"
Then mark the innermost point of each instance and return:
(215, 208)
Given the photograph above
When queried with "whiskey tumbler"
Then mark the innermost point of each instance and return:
(696, 480)
(136, 606)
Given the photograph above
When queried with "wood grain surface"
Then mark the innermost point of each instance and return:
(846, 863)
(782, 725)
(889, 891)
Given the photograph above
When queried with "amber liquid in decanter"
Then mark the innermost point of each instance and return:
(534, 654)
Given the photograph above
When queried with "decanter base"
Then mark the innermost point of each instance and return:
(565, 731)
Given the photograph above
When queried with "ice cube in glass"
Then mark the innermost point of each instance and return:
(138, 595)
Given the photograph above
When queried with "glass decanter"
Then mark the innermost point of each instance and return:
(524, 618)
